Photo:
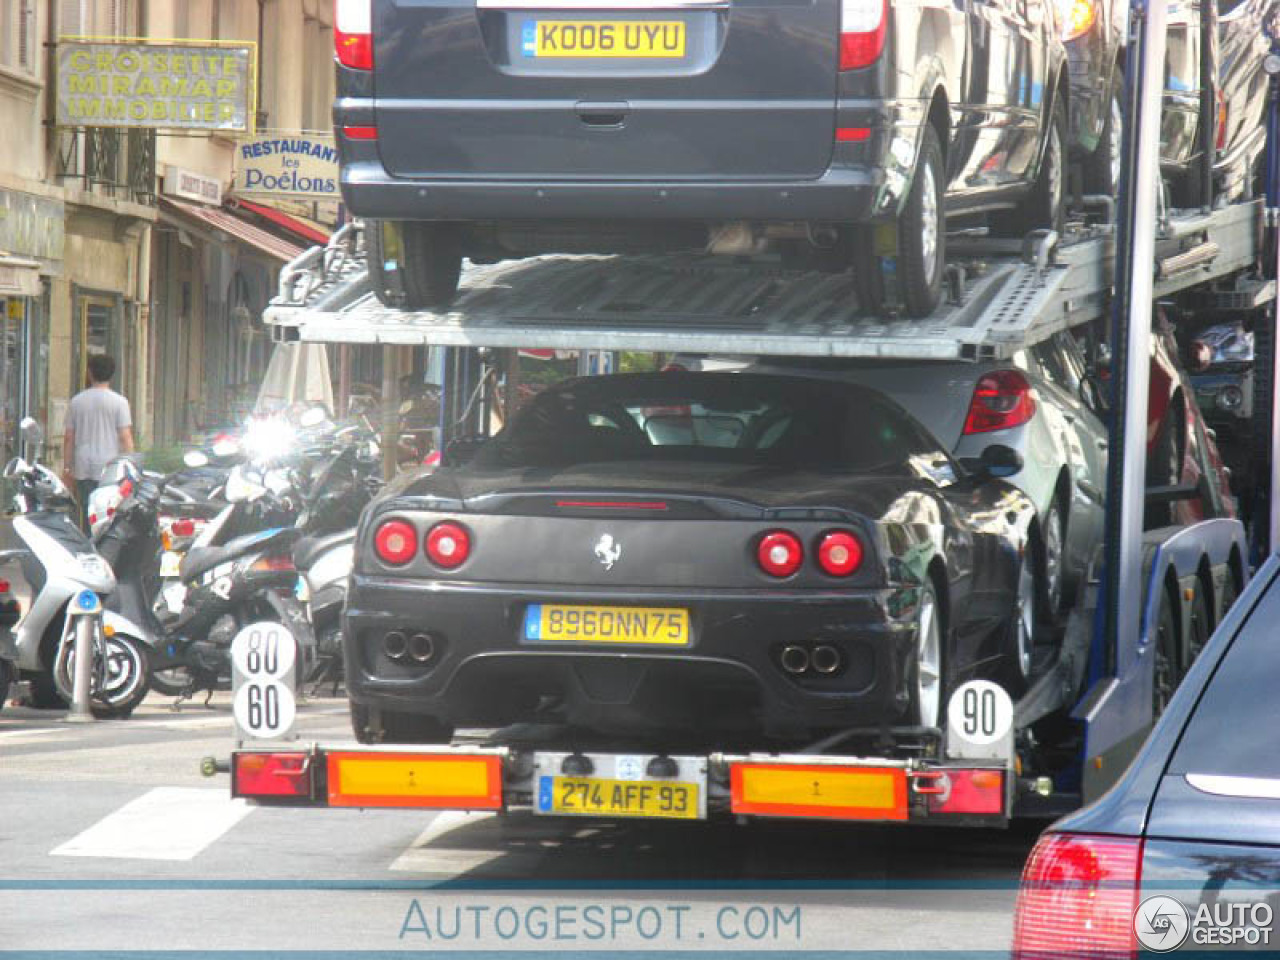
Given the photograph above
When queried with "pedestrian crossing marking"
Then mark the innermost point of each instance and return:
(167, 823)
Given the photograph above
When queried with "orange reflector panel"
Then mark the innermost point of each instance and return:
(434, 781)
(819, 790)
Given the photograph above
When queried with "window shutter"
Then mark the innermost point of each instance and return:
(26, 35)
(70, 18)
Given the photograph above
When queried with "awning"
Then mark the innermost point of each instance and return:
(307, 230)
(19, 277)
(236, 227)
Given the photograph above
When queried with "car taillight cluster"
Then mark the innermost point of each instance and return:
(1002, 399)
(447, 544)
(1078, 897)
(353, 33)
(862, 29)
(780, 553)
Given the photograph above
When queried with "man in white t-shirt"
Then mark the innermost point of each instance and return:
(99, 428)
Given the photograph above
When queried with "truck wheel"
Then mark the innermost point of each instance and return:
(386, 726)
(422, 273)
(1201, 627)
(926, 672)
(1102, 168)
(1165, 669)
(1043, 206)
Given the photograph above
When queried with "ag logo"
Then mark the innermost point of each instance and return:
(1161, 924)
(608, 551)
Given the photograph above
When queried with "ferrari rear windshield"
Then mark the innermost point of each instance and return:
(709, 417)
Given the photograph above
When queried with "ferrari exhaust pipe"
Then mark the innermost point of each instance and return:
(795, 660)
(395, 646)
(421, 647)
(826, 659)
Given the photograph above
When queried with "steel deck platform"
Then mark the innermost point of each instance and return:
(1011, 294)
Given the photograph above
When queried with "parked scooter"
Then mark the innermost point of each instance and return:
(59, 563)
(338, 493)
(226, 584)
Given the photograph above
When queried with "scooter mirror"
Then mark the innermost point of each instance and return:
(194, 458)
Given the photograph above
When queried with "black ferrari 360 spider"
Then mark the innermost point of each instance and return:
(701, 554)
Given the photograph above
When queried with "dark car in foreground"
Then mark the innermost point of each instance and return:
(719, 554)
(1184, 852)
(493, 130)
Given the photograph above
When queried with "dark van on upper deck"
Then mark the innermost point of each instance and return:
(505, 128)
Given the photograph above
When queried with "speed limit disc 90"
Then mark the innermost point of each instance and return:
(263, 651)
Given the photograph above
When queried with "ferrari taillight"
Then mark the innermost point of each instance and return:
(353, 33)
(839, 553)
(395, 542)
(779, 553)
(862, 30)
(1002, 399)
(1078, 897)
(448, 545)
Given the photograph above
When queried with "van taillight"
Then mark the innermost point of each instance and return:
(353, 33)
(862, 29)
(1078, 897)
(1001, 400)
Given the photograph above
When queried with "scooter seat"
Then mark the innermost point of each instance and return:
(309, 549)
(203, 559)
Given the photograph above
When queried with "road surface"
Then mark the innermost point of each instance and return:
(111, 839)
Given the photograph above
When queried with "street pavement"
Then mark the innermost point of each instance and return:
(102, 824)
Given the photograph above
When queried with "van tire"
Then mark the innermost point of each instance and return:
(922, 231)
(421, 272)
(1044, 207)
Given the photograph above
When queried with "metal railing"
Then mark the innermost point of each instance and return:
(114, 162)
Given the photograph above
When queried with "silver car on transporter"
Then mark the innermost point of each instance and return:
(1033, 403)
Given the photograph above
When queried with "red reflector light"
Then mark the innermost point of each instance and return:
(183, 528)
(779, 554)
(448, 545)
(353, 33)
(839, 553)
(270, 775)
(360, 133)
(612, 504)
(1001, 400)
(862, 28)
(852, 134)
(962, 791)
(126, 488)
(396, 542)
(4, 586)
(1078, 897)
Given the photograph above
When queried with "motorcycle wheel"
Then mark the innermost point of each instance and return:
(126, 679)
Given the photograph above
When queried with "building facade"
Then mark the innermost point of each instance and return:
(135, 241)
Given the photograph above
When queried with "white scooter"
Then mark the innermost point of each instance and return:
(58, 563)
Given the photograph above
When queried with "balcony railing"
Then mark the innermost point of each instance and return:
(117, 163)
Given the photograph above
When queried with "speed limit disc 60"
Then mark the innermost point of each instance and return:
(264, 709)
